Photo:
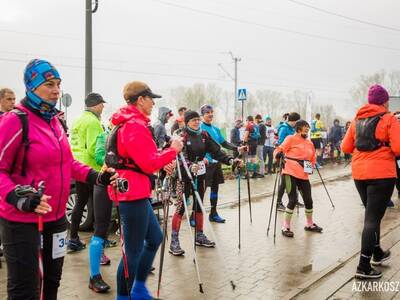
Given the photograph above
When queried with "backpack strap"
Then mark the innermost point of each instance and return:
(23, 117)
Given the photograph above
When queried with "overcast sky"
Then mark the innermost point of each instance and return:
(283, 45)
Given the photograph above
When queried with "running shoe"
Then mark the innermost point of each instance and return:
(390, 204)
(281, 207)
(313, 228)
(75, 245)
(370, 274)
(110, 243)
(175, 247)
(105, 261)
(203, 241)
(97, 284)
(257, 175)
(377, 260)
(287, 232)
(215, 217)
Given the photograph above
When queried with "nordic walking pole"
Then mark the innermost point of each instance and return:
(190, 228)
(323, 183)
(121, 237)
(276, 208)
(165, 224)
(239, 174)
(40, 191)
(203, 210)
(278, 173)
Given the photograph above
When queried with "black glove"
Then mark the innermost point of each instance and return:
(96, 178)
(24, 198)
(104, 178)
(279, 155)
(235, 163)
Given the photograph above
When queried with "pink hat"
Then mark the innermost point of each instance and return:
(377, 94)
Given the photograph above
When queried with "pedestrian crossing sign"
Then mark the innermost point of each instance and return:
(242, 95)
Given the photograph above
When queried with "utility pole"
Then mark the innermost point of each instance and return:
(88, 45)
(234, 78)
(236, 60)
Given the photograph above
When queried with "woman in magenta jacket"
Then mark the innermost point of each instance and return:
(136, 147)
(47, 158)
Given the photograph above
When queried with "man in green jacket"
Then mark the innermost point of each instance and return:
(83, 143)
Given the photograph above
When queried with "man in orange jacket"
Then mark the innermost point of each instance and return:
(374, 140)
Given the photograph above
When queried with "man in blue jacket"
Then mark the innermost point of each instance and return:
(214, 175)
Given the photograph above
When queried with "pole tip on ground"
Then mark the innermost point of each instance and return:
(306, 269)
(233, 285)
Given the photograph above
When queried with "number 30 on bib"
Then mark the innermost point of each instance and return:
(59, 244)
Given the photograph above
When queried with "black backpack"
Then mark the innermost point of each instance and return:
(365, 134)
(23, 117)
(114, 160)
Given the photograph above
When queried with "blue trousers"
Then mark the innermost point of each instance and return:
(143, 236)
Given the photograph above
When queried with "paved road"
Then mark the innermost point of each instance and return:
(260, 270)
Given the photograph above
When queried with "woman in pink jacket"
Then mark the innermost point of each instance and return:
(30, 154)
(139, 159)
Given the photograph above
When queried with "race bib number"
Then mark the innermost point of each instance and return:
(59, 244)
(202, 168)
(308, 167)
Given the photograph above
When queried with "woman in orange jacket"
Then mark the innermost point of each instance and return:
(298, 154)
(374, 140)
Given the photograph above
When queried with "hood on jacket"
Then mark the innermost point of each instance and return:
(163, 113)
(369, 110)
(124, 114)
(287, 125)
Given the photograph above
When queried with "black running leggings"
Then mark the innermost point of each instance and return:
(281, 190)
(21, 242)
(84, 191)
(375, 194)
(304, 188)
(102, 206)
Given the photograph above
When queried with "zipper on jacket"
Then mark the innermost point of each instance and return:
(62, 176)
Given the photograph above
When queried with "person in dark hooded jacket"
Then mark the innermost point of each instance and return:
(160, 133)
(335, 137)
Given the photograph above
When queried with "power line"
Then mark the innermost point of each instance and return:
(345, 17)
(276, 28)
(121, 44)
(177, 64)
(276, 13)
(265, 85)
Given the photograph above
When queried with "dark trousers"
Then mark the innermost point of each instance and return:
(21, 242)
(102, 206)
(269, 151)
(303, 186)
(375, 194)
(84, 191)
(143, 236)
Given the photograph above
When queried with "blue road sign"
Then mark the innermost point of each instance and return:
(242, 95)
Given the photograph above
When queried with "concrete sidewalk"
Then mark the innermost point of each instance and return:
(263, 187)
(261, 269)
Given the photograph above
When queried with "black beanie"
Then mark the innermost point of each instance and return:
(293, 116)
(191, 114)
